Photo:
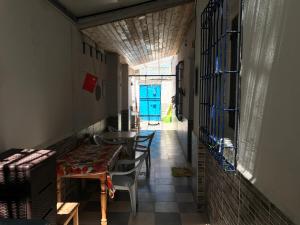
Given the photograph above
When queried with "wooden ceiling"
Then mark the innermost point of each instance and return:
(145, 38)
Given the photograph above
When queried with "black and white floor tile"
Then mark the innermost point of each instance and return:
(162, 199)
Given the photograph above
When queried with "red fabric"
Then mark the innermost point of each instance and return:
(87, 159)
(110, 187)
(90, 82)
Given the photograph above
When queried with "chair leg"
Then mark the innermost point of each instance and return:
(147, 166)
(136, 197)
(132, 193)
(149, 158)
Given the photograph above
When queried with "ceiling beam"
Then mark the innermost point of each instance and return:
(124, 13)
(63, 9)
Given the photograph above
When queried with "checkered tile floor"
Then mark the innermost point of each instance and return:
(162, 199)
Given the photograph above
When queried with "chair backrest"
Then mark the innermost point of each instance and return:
(101, 141)
(112, 129)
(145, 139)
(151, 139)
(97, 139)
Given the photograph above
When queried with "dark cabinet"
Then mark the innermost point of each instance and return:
(28, 185)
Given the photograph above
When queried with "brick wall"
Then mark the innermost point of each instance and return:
(230, 199)
(201, 178)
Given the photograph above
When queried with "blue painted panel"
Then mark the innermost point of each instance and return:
(150, 102)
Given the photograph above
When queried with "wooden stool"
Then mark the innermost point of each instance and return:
(67, 211)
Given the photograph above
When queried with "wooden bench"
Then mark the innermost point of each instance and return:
(66, 211)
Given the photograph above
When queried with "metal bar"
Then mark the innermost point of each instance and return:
(221, 66)
(238, 82)
(226, 10)
(209, 88)
(201, 81)
(215, 33)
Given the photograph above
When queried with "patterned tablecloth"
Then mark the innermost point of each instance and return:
(88, 160)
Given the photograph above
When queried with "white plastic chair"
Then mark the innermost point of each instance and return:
(127, 181)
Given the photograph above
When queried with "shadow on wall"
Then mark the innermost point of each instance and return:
(263, 25)
(1, 144)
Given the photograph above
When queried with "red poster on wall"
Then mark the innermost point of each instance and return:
(90, 82)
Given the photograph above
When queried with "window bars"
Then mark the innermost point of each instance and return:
(220, 80)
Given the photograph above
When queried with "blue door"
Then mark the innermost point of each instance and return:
(150, 102)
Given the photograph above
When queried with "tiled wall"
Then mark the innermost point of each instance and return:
(201, 178)
(230, 199)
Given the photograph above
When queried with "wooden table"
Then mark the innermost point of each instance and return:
(89, 162)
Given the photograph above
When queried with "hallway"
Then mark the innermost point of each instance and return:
(162, 199)
(222, 80)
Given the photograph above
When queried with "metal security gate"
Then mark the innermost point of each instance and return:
(220, 80)
(150, 102)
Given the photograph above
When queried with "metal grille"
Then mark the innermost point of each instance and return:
(220, 80)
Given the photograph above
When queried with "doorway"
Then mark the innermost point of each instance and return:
(150, 103)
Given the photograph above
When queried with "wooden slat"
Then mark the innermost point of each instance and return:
(131, 37)
(176, 17)
(166, 30)
(109, 17)
(156, 34)
(184, 22)
(150, 24)
(143, 42)
(143, 27)
(146, 38)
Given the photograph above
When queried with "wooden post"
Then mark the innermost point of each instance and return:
(103, 199)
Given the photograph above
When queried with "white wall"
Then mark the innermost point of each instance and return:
(41, 75)
(186, 53)
(112, 84)
(270, 124)
(87, 109)
(124, 85)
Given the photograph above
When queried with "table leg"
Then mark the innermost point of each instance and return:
(75, 218)
(103, 200)
(58, 189)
